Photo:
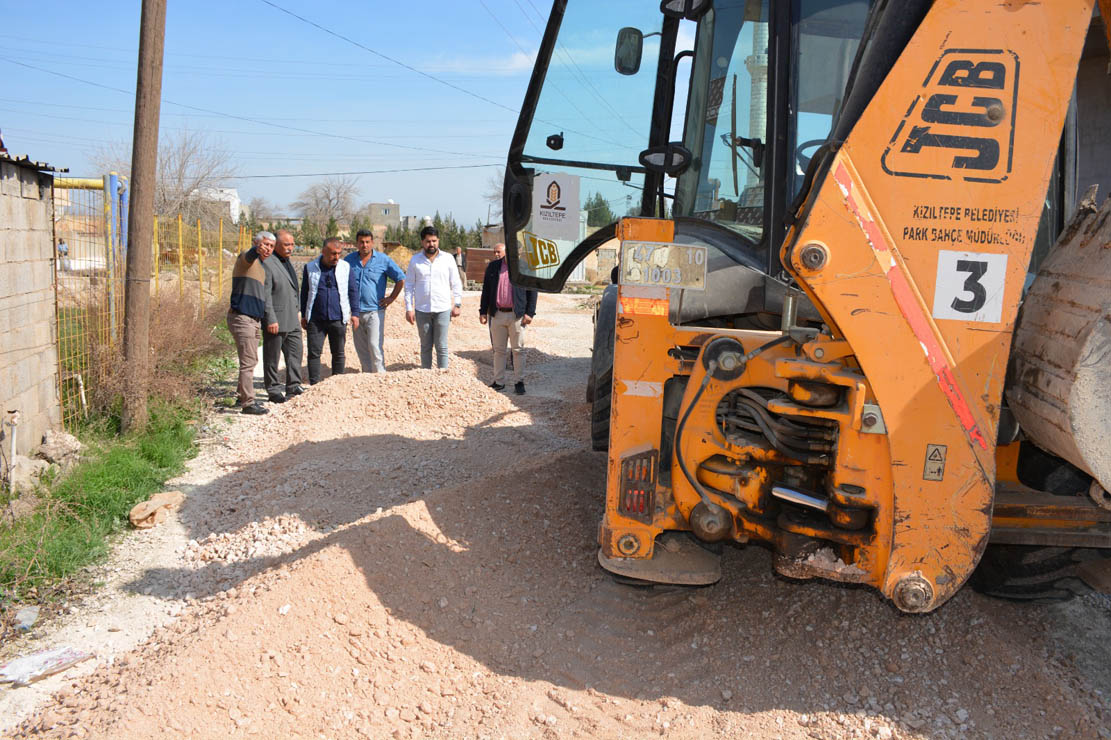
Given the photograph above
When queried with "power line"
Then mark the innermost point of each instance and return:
(216, 115)
(366, 172)
(581, 77)
(568, 98)
(238, 117)
(227, 131)
(399, 63)
(434, 78)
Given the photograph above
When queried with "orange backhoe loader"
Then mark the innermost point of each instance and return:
(858, 314)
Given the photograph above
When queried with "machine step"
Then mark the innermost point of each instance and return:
(676, 558)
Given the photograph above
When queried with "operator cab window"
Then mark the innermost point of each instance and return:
(825, 38)
(727, 121)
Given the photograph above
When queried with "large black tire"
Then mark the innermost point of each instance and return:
(600, 386)
(1033, 574)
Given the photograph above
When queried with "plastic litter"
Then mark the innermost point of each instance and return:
(26, 617)
(31, 668)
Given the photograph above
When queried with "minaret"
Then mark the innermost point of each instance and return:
(757, 66)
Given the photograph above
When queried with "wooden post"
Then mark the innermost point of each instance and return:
(144, 155)
(154, 248)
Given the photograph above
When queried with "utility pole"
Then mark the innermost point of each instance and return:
(140, 226)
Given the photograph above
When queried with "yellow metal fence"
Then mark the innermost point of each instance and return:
(194, 260)
(191, 266)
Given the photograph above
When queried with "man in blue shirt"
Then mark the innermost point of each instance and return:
(329, 292)
(371, 270)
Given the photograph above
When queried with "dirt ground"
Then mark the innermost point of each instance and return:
(413, 555)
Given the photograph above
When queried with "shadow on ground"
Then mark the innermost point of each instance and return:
(513, 554)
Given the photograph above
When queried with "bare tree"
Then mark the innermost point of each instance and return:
(328, 199)
(191, 167)
(493, 194)
(260, 209)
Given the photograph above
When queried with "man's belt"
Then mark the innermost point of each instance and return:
(500, 309)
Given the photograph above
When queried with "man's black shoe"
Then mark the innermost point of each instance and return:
(294, 392)
(519, 388)
(497, 386)
(255, 409)
(276, 397)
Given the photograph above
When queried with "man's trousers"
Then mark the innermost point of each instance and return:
(283, 344)
(336, 333)
(432, 330)
(369, 341)
(244, 330)
(505, 326)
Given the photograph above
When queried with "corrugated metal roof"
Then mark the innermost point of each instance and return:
(26, 161)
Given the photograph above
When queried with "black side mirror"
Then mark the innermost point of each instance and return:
(670, 159)
(692, 10)
(627, 52)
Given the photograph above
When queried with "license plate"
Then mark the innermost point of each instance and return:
(663, 265)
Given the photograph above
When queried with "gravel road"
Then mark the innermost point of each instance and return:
(413, 555)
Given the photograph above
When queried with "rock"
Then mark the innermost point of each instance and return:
(726, 694)
(340, 619)
(24, 505)
(59, 448)
(26, 472)
(153, 511)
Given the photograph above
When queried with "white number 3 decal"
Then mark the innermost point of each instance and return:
(970, 286)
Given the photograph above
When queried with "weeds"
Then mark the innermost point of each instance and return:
(183, 342)
(76, 517)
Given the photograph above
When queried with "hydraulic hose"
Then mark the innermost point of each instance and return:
(711, 368)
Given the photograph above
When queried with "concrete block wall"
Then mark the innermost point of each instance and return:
(28, 327)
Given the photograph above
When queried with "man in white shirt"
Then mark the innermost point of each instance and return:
(433, 296)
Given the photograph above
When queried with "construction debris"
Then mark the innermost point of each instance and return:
(153, 511)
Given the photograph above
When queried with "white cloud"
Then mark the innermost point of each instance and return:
(502, 66)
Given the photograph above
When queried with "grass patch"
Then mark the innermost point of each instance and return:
(78, 514)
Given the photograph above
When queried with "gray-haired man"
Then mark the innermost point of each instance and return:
(249, 303)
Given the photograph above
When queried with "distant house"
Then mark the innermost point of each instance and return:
(384, 214)
(228, 198)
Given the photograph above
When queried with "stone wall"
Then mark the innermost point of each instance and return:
(28, 328)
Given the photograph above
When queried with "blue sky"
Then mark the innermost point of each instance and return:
(246, 59)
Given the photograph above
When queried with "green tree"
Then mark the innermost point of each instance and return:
(598, 212)
(332, 229)
(359, 222)
(309, 235)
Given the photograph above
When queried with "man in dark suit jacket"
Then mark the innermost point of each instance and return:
(282, 335)
(507, 310)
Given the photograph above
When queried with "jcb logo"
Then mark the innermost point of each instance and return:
(961, 125)
(540, 252)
